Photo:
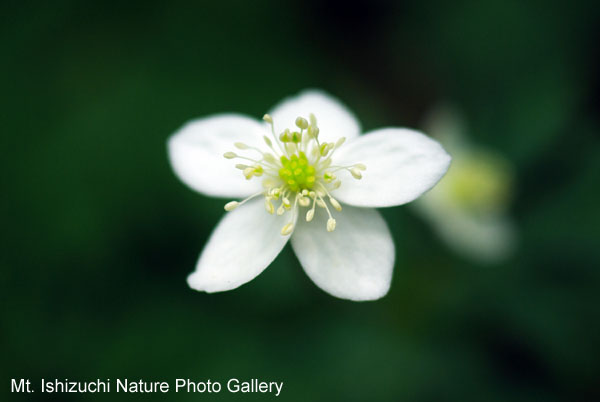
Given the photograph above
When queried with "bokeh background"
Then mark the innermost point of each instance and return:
(99, 235)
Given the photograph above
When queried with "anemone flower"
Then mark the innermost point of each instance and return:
(303, 173)
(468, 209)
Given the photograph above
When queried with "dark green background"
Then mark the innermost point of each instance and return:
(98, 235)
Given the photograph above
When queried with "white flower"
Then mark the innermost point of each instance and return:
(468, 208)
(295, 170)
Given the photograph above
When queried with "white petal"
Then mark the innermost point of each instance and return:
(355, 261)
(196, 154)
(333, 118)
(242, 245)
(401, 165)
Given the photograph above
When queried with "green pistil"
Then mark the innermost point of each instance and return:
(297, 173)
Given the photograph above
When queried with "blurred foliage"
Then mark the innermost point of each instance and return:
(99, 235)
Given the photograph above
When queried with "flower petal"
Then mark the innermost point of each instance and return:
(196, 154)
(333, 118)
(355, 261)
(242, 245)
(401, 165)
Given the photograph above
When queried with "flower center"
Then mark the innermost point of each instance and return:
(479, 182)
(298, 172)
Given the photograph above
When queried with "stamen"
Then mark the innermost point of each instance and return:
(304, 202)
(330, 225)
(248, 172)
(311, 213)
(296, 137)
(285, 136)
(301, 123)
(356, 173)
(269, 206)
(335, 204)
(270, 158)
(269, 120)
(323, 149)
(329, 176)
(287, 229)
(231, 205)
(326, 163)
(275, 193)
(303, 170)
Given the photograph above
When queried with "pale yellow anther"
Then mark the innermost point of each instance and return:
(296, 137)
(248, 173)
(270, 158)
(304, 201)
(335, 203)
(310, 215)
(315, 132)
(269, 206)
(268, 118)
(337, 185)
(340, 142)
(312, 119)
(241, 166)
(230, 206)
(267, 141)
(361, 166)
(230, 155)
(328, 177)
(287, 229)
(330, 225)
(305, 192)
(301, 123)
(285, 136)
(275, 193)
(286, 203)
(356, 173)
(241, 145)
(280, 210)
